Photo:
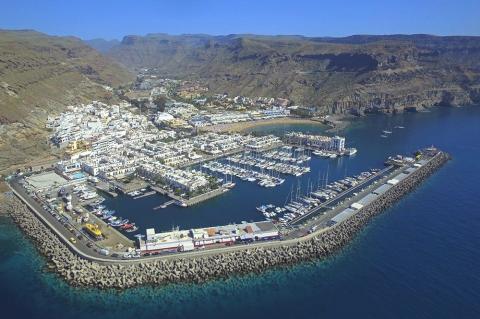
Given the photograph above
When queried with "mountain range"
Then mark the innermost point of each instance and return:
(41, 74)
(356, 74)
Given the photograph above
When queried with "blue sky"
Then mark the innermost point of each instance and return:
(114, 19)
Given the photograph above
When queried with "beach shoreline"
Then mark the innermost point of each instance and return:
(243, 126)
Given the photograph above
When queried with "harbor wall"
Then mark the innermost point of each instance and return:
(194, 200)
(213, 264)
(203, 197)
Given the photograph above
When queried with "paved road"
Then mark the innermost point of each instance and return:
(53, 223)
(83, 251)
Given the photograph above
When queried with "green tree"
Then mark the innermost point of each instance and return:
(160, 102)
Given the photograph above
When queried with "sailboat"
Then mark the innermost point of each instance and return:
(228, 184)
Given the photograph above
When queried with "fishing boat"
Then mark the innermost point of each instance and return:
(229, 185)
(131, 230)
(262, 209)
(134, 193)
(351, 151)
(279, 210)
(182, 204)
(387, 132)
(127, 226)
(118, 223)
(269, 184)
(108, 217)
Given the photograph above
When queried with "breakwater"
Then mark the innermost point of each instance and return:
(82, 272)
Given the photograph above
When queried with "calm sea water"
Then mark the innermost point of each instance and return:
(420, 259)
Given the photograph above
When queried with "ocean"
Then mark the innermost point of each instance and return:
(420, 259)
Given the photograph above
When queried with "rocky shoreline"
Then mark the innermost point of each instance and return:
(81, 272)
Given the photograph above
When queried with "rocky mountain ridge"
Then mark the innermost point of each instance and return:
(354, 74)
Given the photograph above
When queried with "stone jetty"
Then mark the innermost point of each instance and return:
(81, 272)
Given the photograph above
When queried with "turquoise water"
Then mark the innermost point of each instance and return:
(421, 259)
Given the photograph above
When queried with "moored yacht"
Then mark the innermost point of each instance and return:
(351, 151)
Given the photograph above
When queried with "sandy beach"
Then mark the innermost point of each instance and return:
(242, 126)
(338, 122)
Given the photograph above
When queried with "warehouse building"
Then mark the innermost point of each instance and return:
(187, 240)
(345, 214)
(382, 189)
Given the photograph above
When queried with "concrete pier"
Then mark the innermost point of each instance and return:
(201, 266)
(190, 201)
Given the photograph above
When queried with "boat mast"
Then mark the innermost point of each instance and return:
(326, 178)
(291, 196)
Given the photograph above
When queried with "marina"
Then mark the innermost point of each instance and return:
(243, 238)
(315, 177)
(286, 160)
(228, 209)
(240, 160)
(302, 212)
(311, 172)
(317, 201)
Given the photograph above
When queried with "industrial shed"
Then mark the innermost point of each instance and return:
(382, 189)
(356, 206)
(422, 162)
(343, 215)
(401, 176)
(410, 170)
(367, 199)
(393, 181)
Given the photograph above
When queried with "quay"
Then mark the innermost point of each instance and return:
(184, 202)
(331, 202)
(203, 197)
(145, 195)
(106, 190)
(93, 269)
(134, 185)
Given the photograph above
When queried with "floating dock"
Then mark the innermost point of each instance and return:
(145, 195)
(165, 205)
(191, 201)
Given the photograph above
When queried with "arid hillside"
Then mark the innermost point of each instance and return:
(40, 75)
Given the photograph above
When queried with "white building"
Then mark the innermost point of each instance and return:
(162, 117)
(186, 240)
(338, 143)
